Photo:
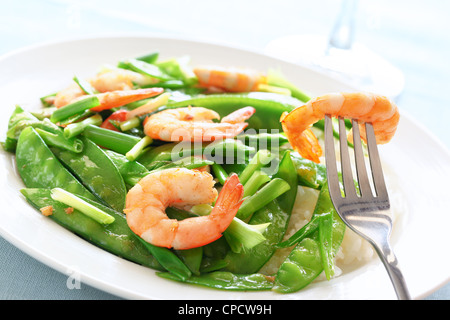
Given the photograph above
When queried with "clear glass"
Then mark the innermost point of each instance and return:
(339, 56)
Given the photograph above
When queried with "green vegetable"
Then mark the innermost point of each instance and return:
(227, 280)
(76, 128)
(138, 148)
(219, 172)
(116, 237)
(310, 174)
(58, 140)
(113, 140)
(276, 78)
(97, 172)
(261, 159)
(86, 208)
(85, 86)
(277, 213)
(145, 68)
(262, 197)
(269, 106)
(39, 168)
(131, 171)
(220, 152)
(74, 108)
(168, 259)
(314, 252)
(252, 185)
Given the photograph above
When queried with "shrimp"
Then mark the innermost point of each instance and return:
(110, 80)
(229, 79)
(378, 110)
(147, 201)
(195, 124)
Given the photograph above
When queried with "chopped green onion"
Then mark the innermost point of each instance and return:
(73, 108)
(113, 140)
(76, 128)
(145, 68)
(72, 200)
(130, 124)
(60, 141)
(266, 194)
(85, 86)
(150, 106)
(219, 173)
(241, 236)
(261, 158)
(252, 185)
(137, 149)
(268, 88)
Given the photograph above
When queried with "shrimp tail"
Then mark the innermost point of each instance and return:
(228, 202)
(114, 99)
(305, 143)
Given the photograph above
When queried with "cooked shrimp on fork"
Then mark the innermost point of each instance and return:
(366, 107)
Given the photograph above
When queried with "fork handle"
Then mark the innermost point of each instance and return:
(390, 262)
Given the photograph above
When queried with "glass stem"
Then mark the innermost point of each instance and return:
(343, 31)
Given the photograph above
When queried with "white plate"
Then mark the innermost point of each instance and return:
(420, 163)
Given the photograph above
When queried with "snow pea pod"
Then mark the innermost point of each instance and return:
(277, 213)
(227, 280)
(39, 168)
(97, 172)
(306, 262)
(131, 171)
(222, 151)
(116, 237)
(269, 106)
(49, 132)
(310, 174)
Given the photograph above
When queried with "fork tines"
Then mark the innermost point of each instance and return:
(364, 186)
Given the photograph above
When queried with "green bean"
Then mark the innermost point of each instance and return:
(113, 140)
(116, 237)
(39, 168)
(97, 172)
(73, 108)
(227, 280)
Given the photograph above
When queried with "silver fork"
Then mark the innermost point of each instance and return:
(366, 213)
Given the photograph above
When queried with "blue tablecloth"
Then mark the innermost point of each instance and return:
(413, 35)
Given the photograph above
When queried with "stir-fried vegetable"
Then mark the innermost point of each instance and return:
(79, 159)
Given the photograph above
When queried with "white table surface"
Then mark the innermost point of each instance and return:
(411, 34)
